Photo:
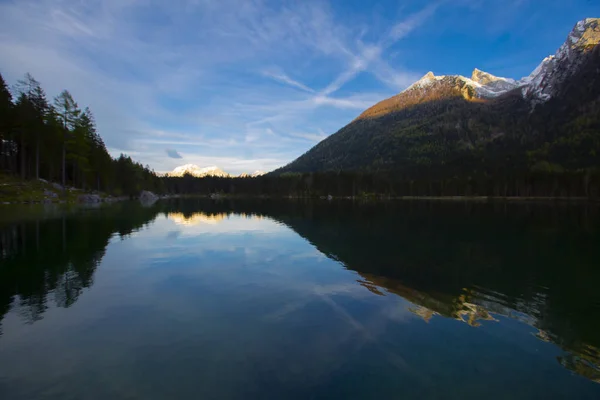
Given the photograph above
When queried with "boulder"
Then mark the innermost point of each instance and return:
(147, 197)
(57, 186)
(50, 194)
(89, 198)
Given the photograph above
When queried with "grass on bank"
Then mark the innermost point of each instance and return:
(15, 190)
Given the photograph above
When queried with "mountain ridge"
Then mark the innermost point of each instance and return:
(452, 119)
(210, 171)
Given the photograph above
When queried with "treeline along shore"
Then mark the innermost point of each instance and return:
(57, 141)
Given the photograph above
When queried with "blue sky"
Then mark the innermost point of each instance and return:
(250, 84)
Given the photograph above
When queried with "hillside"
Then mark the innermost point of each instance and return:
(453, 125)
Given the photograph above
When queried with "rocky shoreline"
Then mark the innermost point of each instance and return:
(41, 191)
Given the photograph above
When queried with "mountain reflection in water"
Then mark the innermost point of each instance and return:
(474, 263)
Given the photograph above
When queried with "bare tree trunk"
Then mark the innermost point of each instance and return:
(64, 156)
(37, 158)
(23, 239)
(64, 234)
(2, 152)
(64, 152)
(12, 161)
(22, 154)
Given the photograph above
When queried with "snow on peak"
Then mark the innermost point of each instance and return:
(193, 167)
(195, 170)
(538, 70)
(482, 77)
(541, 84)
(428, 76)
(425, 81)
(587, 24)
(252, 175)
(486, 85)
(485, 78)
(585, 33)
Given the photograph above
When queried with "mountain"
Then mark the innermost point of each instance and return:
(198, 172)
(453, 125)
(252, 175)
(555, 70)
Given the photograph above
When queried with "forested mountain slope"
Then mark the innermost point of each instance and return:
(446, 126)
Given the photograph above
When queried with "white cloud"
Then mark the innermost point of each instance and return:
(353, 102)
(281, 77)
(403, 28)
(312, 137)
(155, 80)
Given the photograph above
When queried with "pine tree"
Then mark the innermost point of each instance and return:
(6, 120)
(33, 114)
(99, 159)
(68, 113)
(23, 114)
(41, 108)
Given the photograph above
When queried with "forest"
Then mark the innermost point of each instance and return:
(427, 183)
(58, 141)
(442, 141)
(448, 146)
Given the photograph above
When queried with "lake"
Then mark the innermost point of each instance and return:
(283, 300)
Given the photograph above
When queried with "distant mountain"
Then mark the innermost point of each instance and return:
(453, 125)
(252, 175)
(198, 172)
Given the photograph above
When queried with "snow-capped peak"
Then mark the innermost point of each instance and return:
(252, 175)
(427, 77)
(486, 85)
(486, 78)
(195, 170)
(425, 81)
(541, 84)
(538, 70)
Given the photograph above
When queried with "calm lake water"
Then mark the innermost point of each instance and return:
(276, 300)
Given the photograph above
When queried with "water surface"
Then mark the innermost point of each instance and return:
(197, 299)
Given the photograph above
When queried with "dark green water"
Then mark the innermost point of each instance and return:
(263, 300)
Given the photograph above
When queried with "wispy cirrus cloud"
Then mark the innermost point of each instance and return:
(283, 78)
(153, 79)
(404, 27)
(231, 81)
(311, 137)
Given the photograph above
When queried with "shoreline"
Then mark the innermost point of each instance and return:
(217, 197)
(369, 198)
